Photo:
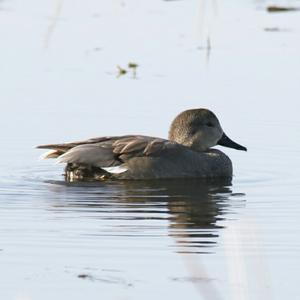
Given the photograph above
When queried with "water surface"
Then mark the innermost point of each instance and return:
(59, 62)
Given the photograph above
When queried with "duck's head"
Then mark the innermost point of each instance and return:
(200, 129)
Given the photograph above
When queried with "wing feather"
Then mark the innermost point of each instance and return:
(90, 154)
(106, 152)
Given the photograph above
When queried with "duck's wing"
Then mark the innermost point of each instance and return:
(59, 149)
(108, 151)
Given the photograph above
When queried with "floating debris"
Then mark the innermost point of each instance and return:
(85, 276)
(132, 66)
(273, 8)
(121, 71)
(106, 279)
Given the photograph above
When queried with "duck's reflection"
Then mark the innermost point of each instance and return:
(194, 209)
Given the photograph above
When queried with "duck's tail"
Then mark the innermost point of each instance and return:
(56, 150)
(51, 154)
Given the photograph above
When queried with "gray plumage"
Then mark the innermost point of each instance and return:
(187, 153)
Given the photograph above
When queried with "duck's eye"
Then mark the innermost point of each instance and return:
(209, 124)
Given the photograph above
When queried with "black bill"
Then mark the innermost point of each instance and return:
(227, 142)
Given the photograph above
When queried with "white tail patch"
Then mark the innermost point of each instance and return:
(115, 170)
(49, 154)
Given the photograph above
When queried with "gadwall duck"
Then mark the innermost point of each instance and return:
(187, 152)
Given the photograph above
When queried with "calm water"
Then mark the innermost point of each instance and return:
(157, 239)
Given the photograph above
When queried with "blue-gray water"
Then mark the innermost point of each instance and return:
(156, 239)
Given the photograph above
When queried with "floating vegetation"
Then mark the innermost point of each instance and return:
(132, 66)
(207, 48)
(274, 8)
(53, 24)
(121, 71)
